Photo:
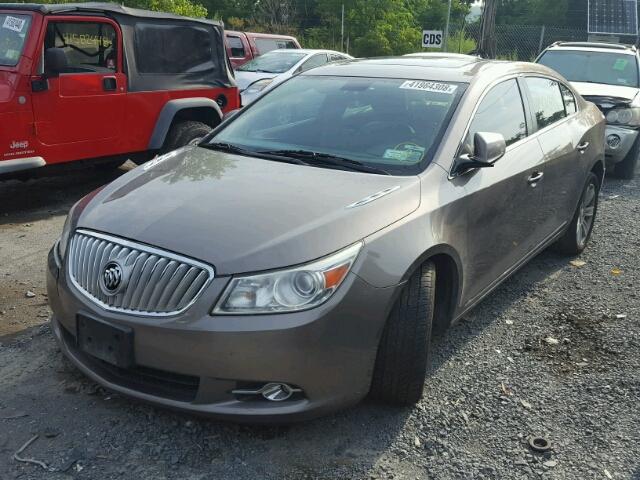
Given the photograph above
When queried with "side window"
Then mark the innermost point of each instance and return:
(501, 111)
(546, 101)
(569, 100)
(290, 44)
(236, 46)
(315, 61)
(90, 47)
(334, 57)
(169, 48)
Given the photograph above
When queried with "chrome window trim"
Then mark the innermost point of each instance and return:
(144, 248)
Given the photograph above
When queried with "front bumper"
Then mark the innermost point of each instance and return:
(618, 143)
(192, 362)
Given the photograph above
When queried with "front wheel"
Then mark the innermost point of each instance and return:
(404, 354)
(184, 133)
(575, 239)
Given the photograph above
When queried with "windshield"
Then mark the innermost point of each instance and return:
(596, 67)
(272, 62)
(13, 32)
(390, 124)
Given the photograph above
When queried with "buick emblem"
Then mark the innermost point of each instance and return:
(112, 278)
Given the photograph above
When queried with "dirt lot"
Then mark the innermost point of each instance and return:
(554, 352)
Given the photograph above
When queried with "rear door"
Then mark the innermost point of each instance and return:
(559, 133)
(84, 104)
(504, 221)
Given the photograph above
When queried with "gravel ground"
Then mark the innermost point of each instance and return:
(554, 352)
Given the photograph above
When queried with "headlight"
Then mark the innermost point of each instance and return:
(64, 238)
(624, 116)
(258, 86)
(289, 290)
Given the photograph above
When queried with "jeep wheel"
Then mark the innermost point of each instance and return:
(626, 169)
(575, 239)
(404, 351)
(185, 133)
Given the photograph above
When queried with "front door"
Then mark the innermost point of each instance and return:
(82, 104)
(504, 220)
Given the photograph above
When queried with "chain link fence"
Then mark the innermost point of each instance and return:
(515, 42)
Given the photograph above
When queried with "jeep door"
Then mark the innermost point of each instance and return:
(81, 105)
(503, 201)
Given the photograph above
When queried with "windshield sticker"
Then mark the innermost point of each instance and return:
(405, 153)
(14, 23)
(429, 86)
(620, 64)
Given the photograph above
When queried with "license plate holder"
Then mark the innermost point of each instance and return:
(106, 341)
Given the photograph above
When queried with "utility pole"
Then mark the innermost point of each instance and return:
(446, 28)
(342, 31)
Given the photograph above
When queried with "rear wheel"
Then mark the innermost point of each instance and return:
(575, 239)
(404, 354)
(187, 132)
(626, 169)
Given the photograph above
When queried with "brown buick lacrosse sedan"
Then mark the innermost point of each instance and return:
(298, 258)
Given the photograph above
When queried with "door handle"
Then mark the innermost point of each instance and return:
(582, 147)
(109, 84)
(535, 178)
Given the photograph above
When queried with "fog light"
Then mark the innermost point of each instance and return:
(274, 392)
(613, 141)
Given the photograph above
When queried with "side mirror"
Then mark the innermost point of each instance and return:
(488, 149)
(55, 61)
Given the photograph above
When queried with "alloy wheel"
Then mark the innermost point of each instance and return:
(586, 215)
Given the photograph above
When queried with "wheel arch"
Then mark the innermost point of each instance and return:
(449, 280)
(202, 109)
(599, 170)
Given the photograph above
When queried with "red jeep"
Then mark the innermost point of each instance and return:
(106, 83)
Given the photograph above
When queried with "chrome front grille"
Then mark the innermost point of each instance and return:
(154, 282)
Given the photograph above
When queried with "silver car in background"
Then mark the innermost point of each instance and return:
(260, 75)
(299, 258)
(608, 75)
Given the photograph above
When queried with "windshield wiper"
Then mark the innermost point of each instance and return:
(231, 148)
(327, 159)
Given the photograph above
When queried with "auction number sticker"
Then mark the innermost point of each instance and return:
(429, 86)
(14, 23)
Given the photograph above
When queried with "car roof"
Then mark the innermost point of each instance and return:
(100, 8)
(616, 48)
(307, 51)
(444, 69)
(440, 55)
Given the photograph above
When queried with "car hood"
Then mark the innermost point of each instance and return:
(242, 214)
(244, 79)
(600, 90)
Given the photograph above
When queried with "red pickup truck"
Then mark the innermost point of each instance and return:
(104, 83)
(245, 46)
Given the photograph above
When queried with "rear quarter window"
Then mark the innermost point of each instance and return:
(265, 45)
(174, 49)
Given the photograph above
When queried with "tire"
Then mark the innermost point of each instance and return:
(574, 241)
(184, 133)
(626, 169)
(404, 350)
